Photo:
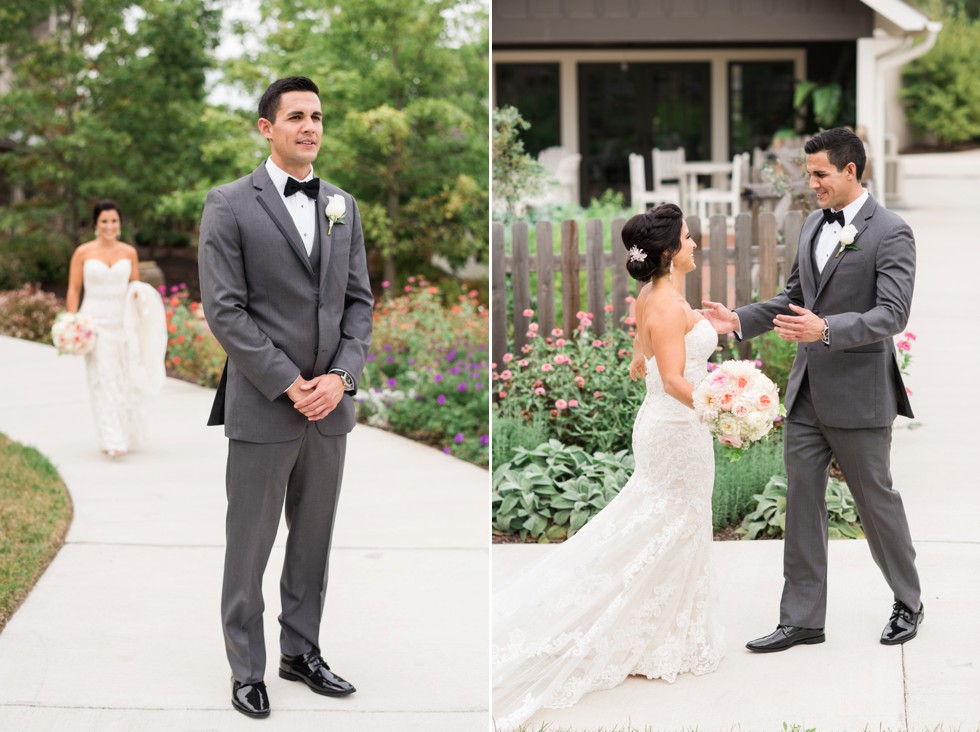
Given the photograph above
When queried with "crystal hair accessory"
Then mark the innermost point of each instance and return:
(636, 255)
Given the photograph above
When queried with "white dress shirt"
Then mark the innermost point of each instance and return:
(301, 207)
(829, 238)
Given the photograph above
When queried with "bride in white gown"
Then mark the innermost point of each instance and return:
(633, 592)
(128, 359)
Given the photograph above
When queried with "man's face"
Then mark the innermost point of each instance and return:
(296, 132)
(834, 188)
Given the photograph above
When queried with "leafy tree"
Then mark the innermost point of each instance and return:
(942, 88)
(404, 90)
(104, 98)
(515, 173)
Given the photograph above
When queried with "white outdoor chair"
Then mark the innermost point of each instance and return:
(666, 173)
(561, 182)
(640, 197)
(730, 199)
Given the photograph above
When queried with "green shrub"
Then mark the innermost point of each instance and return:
(510, 433)
(551, 492)
(769, 517)
(28, 313)
(737, 483)
(32, 259)
(942, 88)
(576, 385)
(193, 353)
(426, 373)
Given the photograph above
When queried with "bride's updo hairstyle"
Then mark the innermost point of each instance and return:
(652, 238)
(106, 204)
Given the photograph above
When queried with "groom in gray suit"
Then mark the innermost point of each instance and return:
(849, 292)
(285, 290)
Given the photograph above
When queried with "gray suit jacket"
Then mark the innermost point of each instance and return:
(865, 296)
(273, 318)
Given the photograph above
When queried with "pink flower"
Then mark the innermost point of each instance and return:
(385, 284)
(597, 343)
(495, 376)
(560, 343)
(597, 393)
(580, 314)
(630, 300)
(502, 394)
(561, 404)
(600, 368)
(528, 313)
(572, 403)
(523, 363)
(608, 308)
(554, 412)
(507, 375)
(527, 348)
(547, 367)
(579, 381)
(629, 321)
(508, 357)
(904, 346)
(557, 332)
(533, 327)
(540, 391)
(910, 335)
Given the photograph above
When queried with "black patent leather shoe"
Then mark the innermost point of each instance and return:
(311, 669)
(903, 624)
(786, 636)
(250, 699)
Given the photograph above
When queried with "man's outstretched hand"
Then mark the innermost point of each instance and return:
(722, 319)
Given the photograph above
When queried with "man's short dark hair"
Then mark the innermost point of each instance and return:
(842, 147)
(270, 101)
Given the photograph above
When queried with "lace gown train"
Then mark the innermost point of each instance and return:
(633, 592)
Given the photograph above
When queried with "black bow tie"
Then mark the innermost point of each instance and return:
(311, 187)
(828, 216)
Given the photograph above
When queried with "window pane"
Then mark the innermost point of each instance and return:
(760, 103)
(632, 108)
(534, 90)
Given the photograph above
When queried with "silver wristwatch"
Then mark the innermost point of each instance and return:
(346, 378)
(825, 336)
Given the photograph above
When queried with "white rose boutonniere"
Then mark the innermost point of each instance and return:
(847, 236)
(336, 208)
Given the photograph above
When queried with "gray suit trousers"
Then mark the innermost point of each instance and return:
(305, 474)
(864, 458)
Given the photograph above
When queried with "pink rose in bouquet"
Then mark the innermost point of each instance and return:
(738, 403)
(73, 334)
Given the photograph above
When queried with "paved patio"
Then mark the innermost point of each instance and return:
(122, 632)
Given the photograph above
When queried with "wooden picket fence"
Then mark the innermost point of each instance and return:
(750, 259)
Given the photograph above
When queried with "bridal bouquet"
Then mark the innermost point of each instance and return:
(738, 403)
(73, 334)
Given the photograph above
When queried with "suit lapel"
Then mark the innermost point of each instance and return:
(269, 198)
(808, 273)
(322, 225)
(860, 223)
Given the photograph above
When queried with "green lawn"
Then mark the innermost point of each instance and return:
(35, 512)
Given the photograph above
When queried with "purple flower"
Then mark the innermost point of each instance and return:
(458, 438)
(387, 348)
(451, 354)
(438, 377)
(447, 450)
(390, 359)
(411, 362)
(370, 358)
(484, 440)
(478, 385)
(441, 399)
(392, 382)
(455, 370)
(461, 387)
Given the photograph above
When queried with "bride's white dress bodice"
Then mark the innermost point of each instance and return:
(633, 592)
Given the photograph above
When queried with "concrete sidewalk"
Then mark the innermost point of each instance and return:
(122, 632)
(852, 682)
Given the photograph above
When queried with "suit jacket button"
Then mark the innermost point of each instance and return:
(316, 351)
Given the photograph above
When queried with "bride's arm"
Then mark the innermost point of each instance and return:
(667, 330)
(74, 281)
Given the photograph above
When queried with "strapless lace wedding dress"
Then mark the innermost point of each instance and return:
(127, 362)
(633, 592)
